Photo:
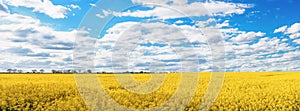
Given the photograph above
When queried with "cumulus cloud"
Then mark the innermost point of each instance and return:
(132, 46)
(74, 6)
(293, 31)
(247, 36)
(183, 9)
(281, 29)
(100, 16)
(93, 5)
(263, 55)
(179, 22)
(24, 40)
(259, 52)
(143, 51)
(295, 28)
(41, 6)
(152, 1)
(297, 41)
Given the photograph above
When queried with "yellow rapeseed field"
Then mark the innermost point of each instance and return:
(240, 91)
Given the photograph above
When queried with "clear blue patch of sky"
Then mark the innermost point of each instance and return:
(267, 15)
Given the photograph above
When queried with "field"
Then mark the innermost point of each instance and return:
(240, 91)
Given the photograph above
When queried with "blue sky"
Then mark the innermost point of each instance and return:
(266, 17)
(270, 12)
(163, 35)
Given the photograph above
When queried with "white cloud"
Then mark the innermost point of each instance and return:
(225, 8)
(293, 32)
(247, 36)
(100, 16)
(93, 5)
(295, 28)
(46, 48)
(175, 2)
(297, 41)
(179, 22)
(281, 29)
(105, 14)
(41, 6)
(223, 24)
(152, 1)
(75, 6)
(183, 9)
(261, 56)
(27, 44)
(164, 58)
(295, 35)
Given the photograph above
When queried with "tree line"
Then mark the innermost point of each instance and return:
(21, 71)
(34, 71)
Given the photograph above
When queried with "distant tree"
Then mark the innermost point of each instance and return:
(9, 70)
(79, 71)
(74, 71)
(66, 71)
(53, 71)
(34, 71)
(69, 71)
(42, 70)
(141, 72)
(14, 70)
(20, 71)
(89, 71)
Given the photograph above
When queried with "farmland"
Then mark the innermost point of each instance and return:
(240, 91)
